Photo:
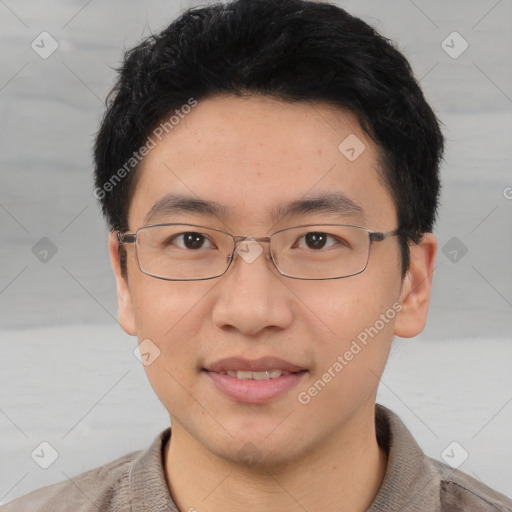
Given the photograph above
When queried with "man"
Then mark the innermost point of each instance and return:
(269, 172)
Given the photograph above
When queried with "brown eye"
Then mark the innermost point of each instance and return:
(190, 240)
(317, 240)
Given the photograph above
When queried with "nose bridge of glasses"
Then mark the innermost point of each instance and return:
(238, 239)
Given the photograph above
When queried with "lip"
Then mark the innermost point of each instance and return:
(253, 391)
(254, 365)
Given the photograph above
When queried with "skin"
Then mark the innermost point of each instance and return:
(250, 154)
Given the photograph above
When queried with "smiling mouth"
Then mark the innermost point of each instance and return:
(260, 375)
(254, 381)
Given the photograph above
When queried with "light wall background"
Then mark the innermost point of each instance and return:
(68, 375)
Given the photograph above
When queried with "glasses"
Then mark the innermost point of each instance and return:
(188, 252)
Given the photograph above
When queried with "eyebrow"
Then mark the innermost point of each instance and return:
(173, 204)
(333, 203)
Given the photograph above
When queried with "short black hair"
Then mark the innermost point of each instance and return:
(291, 50)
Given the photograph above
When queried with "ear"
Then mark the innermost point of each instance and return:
(124, 298)
(415, 293)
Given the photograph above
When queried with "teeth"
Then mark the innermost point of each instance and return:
(261, 375)
(265, 375)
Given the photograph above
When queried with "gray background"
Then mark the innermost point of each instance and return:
(67, 372)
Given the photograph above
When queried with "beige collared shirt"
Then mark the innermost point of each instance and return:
(136, 482)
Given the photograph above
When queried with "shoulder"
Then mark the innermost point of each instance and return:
(103, 488)
(460, 492)
(415, 482)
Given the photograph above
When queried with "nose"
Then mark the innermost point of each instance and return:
(251, 296)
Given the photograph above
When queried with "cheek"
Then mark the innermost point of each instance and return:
(346, 307)
(357, 320)
(167, 314)
(160, 307)
(174, 316)
(352, 357)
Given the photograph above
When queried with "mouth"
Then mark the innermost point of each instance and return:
(248, 375)
(253, 381)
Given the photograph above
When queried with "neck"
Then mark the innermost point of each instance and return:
(348, 468)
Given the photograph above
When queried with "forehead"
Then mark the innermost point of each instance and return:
(254, 156)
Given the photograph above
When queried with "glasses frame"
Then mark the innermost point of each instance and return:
(373, 236)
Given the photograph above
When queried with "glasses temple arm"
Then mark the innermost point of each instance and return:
(378, 237)
(126, 238)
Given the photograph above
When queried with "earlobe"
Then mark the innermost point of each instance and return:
(417, 284)
(124, 299)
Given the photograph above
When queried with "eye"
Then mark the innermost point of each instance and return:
(190, 240)
(318, 240)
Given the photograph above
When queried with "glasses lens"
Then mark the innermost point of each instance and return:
(183, 251)
(321, 251)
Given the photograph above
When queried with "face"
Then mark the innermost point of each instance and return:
(251, 155)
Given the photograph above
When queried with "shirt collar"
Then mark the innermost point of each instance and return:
(148, 486)
(411, 482)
